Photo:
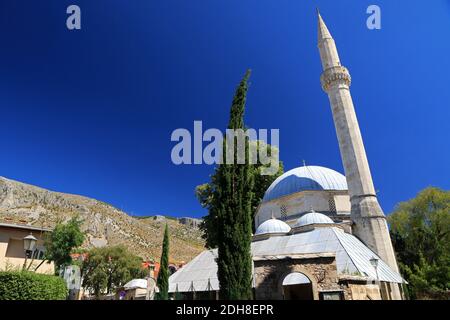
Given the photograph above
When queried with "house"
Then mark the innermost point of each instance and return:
(13, 254)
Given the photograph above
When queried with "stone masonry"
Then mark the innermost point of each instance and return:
(270, 273)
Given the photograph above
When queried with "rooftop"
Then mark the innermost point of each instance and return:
(352, 258)
(24, 226)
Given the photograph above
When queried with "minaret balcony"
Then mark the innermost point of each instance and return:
(335, 76)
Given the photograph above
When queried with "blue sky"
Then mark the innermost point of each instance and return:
(91, 112)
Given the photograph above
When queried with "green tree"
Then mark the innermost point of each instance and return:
(163, 275)
(263, 181)
(232, 205)
(204, 194)
(420, 231)
(108, 268)
(61, 241)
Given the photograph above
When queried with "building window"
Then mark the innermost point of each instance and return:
(331, 295)
(283, 211)
(38, 254)
(15, 249)
(332, 205)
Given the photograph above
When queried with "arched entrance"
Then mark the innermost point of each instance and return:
(297, 286)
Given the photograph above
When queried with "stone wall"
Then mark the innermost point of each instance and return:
(269, 275)
(355, 289)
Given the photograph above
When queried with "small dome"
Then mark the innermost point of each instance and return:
(313, 218)
(272, 226)
(136, 283)
(306, 178)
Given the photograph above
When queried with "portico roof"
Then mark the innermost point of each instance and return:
(352, 258)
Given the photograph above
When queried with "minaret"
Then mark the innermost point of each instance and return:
(369, 221)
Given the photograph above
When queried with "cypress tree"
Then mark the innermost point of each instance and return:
(232, 203)
(163, 275)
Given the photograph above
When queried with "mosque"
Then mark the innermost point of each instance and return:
(319, 235)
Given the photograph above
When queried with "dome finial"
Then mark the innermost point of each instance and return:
(311, 208)
(304, 163)
(271, 212)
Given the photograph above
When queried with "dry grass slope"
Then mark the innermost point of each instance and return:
(103, 224)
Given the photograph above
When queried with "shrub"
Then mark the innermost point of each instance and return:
(24, 285)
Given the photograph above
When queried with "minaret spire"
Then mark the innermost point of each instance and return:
(323, 32)
(369, 221)
(328, 51)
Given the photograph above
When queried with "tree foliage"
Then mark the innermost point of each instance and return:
(231, 205)
(108, 268)
(204, 194)
(420, 231)
(24, 285)
(163, 275)
(62, 240)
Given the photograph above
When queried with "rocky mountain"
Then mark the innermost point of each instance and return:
(104, 224)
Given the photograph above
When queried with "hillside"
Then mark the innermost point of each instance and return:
(103, 224)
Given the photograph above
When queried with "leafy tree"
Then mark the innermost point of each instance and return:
(420, 231)
(108, 268)
(204, 194)
(262, 182)
(61, 241)
(163, 275)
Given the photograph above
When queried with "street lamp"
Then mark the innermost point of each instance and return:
(151, 270)
(151, 285)
(374, 263)
(151, 282)
(29, 243)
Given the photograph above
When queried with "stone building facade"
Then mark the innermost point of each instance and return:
(270, 271)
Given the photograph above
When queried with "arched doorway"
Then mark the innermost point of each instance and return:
(297, 286)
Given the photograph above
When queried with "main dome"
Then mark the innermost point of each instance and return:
(303, 179)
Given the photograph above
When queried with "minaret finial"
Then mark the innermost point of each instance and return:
(323, 32)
